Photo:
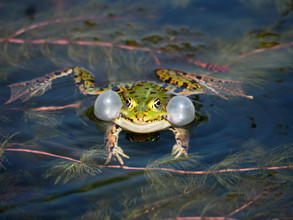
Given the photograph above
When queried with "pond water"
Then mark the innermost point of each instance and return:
(51, 160)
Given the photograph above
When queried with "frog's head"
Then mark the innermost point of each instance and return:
(144, 108)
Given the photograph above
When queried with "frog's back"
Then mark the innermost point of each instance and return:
(147, 90)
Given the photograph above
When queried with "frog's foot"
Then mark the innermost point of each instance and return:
(111, 144)
(182, 142)
(179, 150)
(117, 152)
(36, 87)
(188, 84)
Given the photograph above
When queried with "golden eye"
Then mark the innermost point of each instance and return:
(128, 103)
(157, 104)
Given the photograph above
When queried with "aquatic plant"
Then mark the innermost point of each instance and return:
(244, 182)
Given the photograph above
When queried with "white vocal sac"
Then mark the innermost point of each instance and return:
(108, 106)
(180, 110)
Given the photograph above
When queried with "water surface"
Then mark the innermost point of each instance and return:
(253, 39)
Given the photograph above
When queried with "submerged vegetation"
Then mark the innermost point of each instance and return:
(240, 165)
(225, 187)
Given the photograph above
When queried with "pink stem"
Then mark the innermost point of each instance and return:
(290, 44)
(213, 67)
(151, 168)
(245, 205)
(79, 42)
(197, 172)
(40, 153)
(75, 105)
(47, 108)
(56, 21)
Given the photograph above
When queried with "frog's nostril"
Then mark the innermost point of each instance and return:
(140, 115)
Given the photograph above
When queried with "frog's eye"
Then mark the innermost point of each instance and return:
(157, 104)
(180, 110)
(128, 103)
(108, 106)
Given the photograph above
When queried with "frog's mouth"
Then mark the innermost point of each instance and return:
(142, 126)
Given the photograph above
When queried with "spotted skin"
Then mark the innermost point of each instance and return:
(183, 85)
(87, 84)
(144, 103)
(142, 98)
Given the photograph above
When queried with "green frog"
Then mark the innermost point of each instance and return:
(139, 107)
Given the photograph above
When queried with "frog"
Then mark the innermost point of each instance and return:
(143, 106)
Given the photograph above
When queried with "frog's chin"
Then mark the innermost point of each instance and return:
(142, 127)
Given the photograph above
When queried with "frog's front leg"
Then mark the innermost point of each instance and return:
(111, 144)
(182, 142)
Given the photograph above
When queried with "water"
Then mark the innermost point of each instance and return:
(232, 134)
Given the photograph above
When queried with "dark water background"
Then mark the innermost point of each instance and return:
(236, 133)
